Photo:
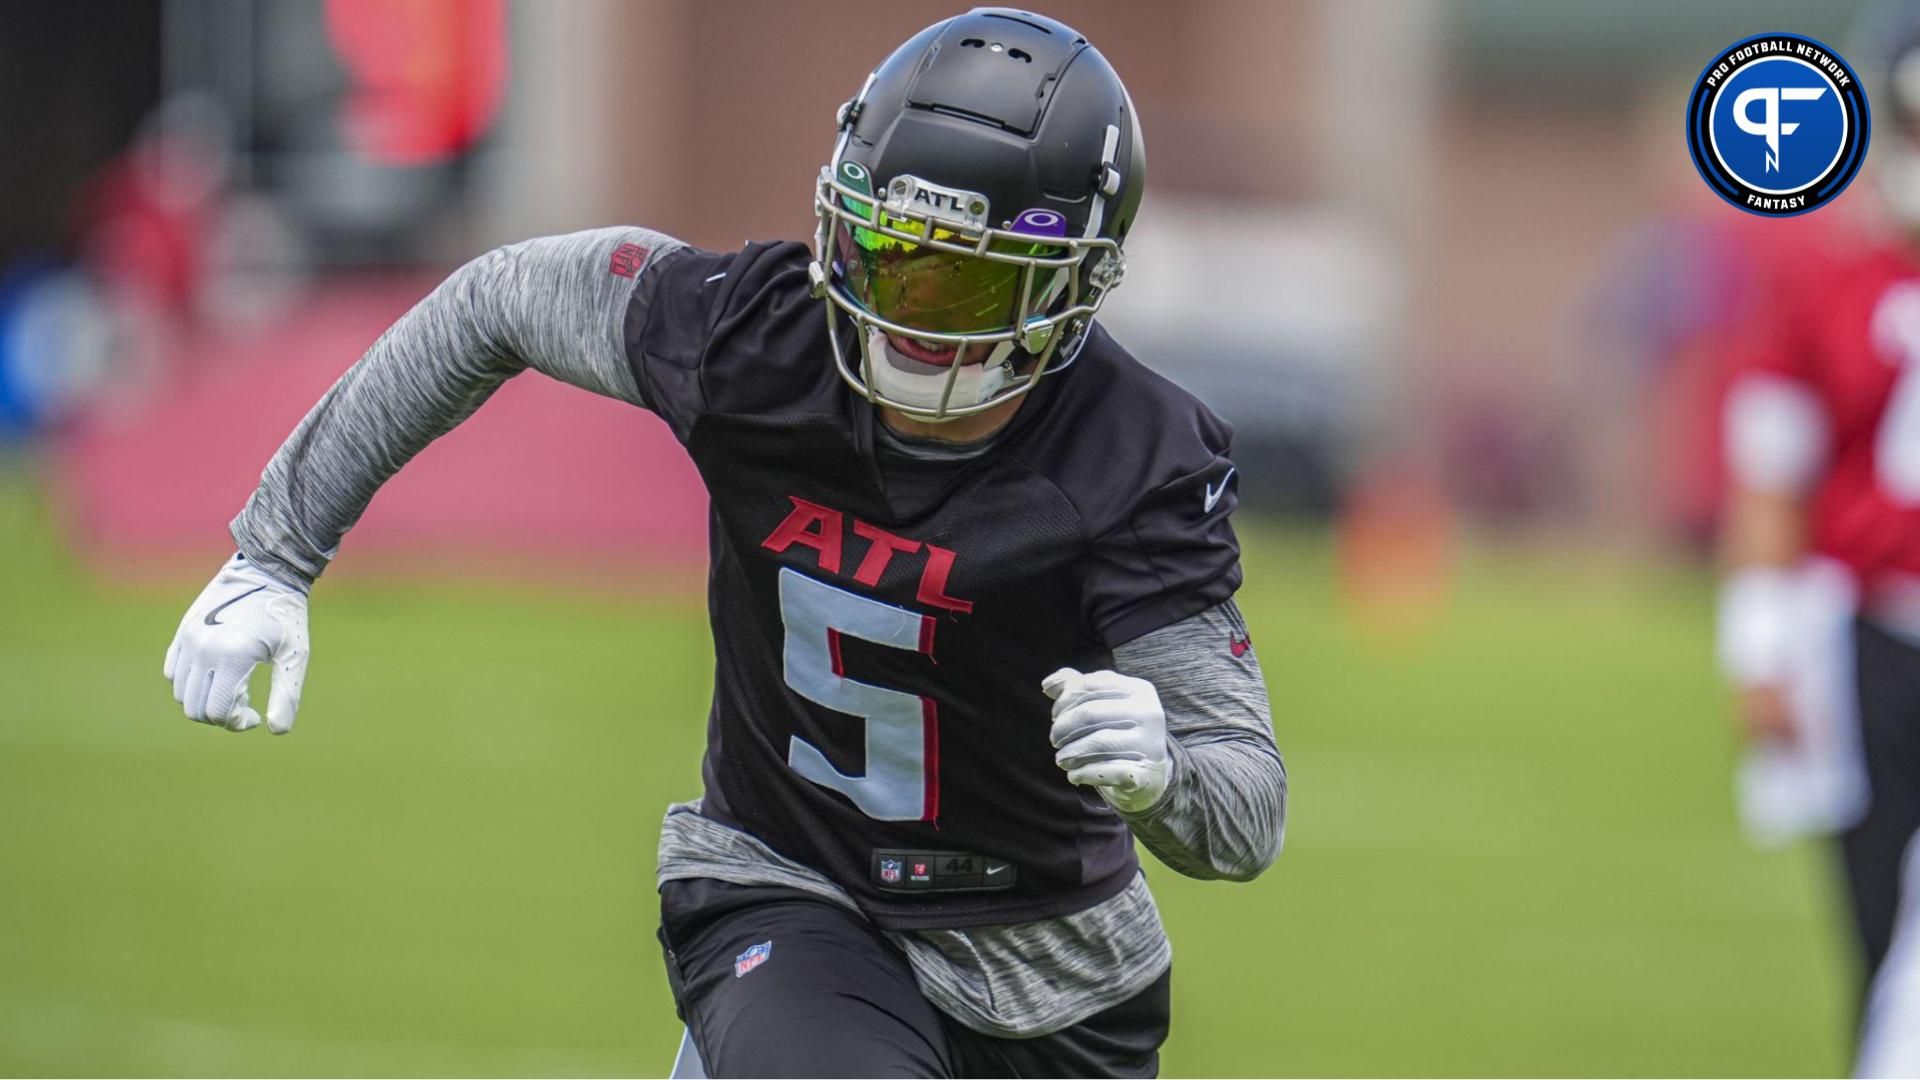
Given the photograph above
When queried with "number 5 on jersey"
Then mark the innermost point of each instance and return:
(902, 781)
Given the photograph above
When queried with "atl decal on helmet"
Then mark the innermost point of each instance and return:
(1778, 124)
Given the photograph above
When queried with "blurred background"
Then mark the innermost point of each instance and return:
(1445, 266)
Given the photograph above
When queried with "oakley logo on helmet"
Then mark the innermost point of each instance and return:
(1040, 223)
(1778, 124)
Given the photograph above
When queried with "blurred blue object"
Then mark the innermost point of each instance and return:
(55, 345)
(20, 413)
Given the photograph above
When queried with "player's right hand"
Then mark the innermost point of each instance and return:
(1765, 717)
(242, 618)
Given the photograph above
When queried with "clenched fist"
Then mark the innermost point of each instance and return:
(242, 618)
(1110, 733)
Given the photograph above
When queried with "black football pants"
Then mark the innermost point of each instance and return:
(1888, 673)
(829, 995)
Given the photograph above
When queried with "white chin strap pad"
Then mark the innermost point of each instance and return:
(901, 378)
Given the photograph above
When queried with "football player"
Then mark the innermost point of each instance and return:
(971, 580)
(1819, 622)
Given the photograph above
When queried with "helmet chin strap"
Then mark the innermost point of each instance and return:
(900, 378)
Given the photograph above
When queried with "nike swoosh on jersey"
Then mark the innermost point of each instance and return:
(1214, 493)
(211, 621)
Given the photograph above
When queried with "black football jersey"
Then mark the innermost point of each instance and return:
(877, 711)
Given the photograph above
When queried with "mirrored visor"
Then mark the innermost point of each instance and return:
(938, 291)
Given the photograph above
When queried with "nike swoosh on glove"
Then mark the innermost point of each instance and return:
(242, 618)
(1110, 733)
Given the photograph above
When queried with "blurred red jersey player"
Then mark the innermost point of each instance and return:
(1820, 610)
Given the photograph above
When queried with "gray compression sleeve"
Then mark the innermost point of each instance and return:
(551, 304)
(1225, 811)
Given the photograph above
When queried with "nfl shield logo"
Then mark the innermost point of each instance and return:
(752, 958)
(889, 870)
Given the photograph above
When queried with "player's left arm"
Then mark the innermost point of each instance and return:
(1179, 739)
(1177, 736)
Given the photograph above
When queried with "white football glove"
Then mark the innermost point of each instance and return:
(242, 618)
(1111, 734)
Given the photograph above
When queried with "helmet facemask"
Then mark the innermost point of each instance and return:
(951, 316)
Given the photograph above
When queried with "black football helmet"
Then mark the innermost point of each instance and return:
(972, 215)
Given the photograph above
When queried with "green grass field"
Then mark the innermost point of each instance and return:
(1510, 848)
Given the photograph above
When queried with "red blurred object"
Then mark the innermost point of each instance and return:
(545, 475)
(427, 76)
(1766, 262)
(1851, 336)
(145, 218)
(1395, 549)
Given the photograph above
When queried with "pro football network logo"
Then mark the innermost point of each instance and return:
(1778, 124)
